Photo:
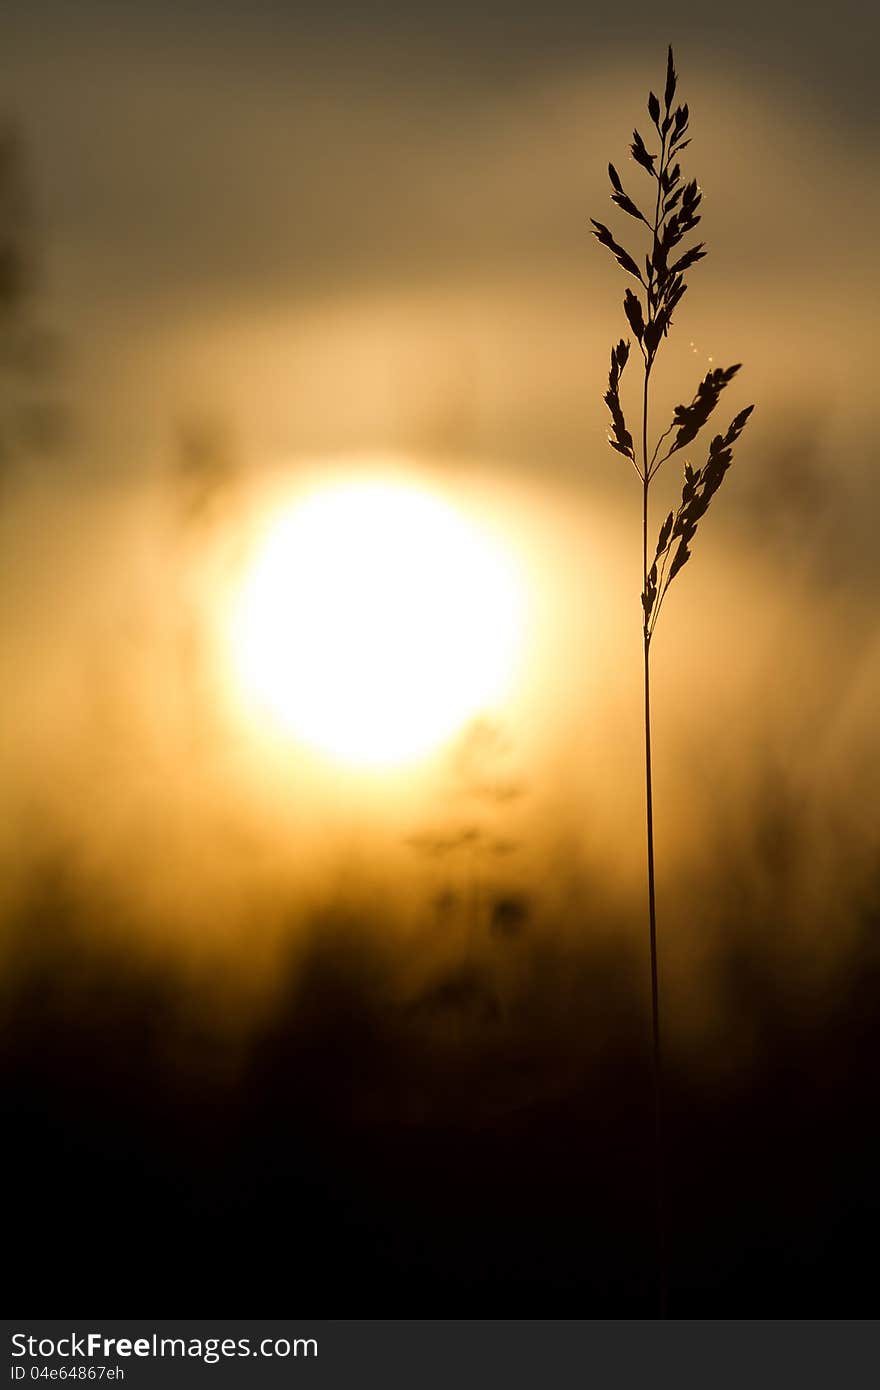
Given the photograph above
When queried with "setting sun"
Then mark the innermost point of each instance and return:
(375, 620)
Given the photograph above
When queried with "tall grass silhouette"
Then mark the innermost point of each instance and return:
(649, 315)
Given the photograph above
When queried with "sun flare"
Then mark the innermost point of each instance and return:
(375, 620)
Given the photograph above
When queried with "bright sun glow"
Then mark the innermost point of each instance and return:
(375, 621)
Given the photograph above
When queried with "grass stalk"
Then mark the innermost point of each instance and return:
(649, 315)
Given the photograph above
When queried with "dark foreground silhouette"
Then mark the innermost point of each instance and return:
(453, 1154)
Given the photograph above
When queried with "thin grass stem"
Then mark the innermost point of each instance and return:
(675, 216)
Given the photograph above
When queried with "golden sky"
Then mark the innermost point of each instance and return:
(339, 244)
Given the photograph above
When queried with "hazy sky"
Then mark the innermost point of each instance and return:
(823, 46)
(366, 227)
(351, 229)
